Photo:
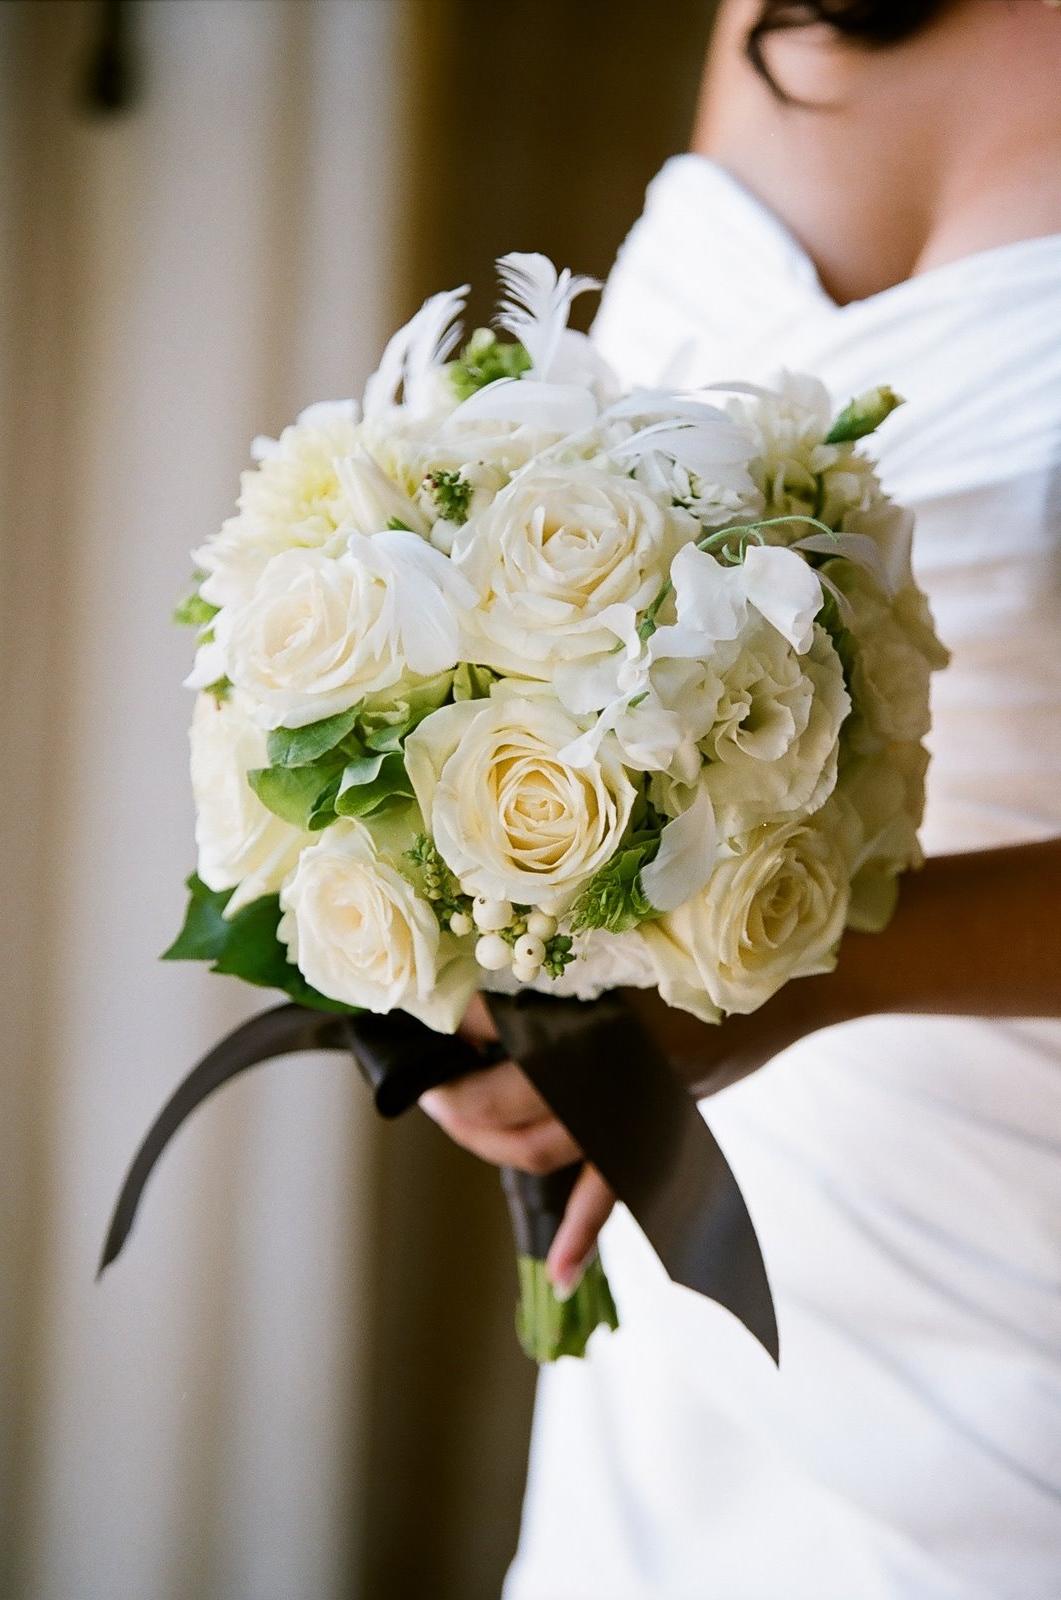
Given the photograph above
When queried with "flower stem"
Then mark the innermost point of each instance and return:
(549, 1327)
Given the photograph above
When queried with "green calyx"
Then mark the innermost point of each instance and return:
(863, 415)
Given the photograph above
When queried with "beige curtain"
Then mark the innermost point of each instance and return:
(300, 1381)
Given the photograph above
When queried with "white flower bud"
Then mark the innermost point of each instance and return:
(541, 925)
(460, 923)
(492, 952)
(490, 915)
(524, 973)
(528, 951)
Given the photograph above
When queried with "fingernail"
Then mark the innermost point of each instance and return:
(566, 1281)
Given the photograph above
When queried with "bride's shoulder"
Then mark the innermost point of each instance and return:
(886, 161)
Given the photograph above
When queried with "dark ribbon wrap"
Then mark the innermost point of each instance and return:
(601, 1074)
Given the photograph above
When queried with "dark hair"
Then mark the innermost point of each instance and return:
(870, 22)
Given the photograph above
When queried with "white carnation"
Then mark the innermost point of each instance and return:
(767, 723)
(894, 650)
(242, 845)
(797, 473)
(293, 498)
(358, 932)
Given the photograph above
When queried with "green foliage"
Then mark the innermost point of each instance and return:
(614, 899)
(483, 360)
(371, 782)
(451, 494)
(244, 945)
(194, 611)
(472, 682)
(300, 747)
(863, 415)
(387, 719)
(221, 688)
(294, 793)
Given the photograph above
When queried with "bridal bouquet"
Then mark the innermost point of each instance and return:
(509, 679)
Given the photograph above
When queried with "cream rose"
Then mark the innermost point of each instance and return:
(511, 819)
(242, 845)
(773, 909)
(557, 547)
(319, 633)
(357, 930)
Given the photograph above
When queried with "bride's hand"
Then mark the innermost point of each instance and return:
(498, 1115)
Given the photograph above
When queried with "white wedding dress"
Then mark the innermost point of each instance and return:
(904, 1173)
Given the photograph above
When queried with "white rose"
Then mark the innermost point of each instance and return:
(767, 721)
(319, 633)
(894, 650)
(773, 909)
(511, 819)
(242, 845)
(557, 547)
(358, 932)
(293, 498)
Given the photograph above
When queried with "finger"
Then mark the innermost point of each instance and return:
(497, 1097)
(478, 1026)
(587, 1211)
(540, 1147)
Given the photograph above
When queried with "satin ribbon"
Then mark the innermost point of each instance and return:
(600, 1073)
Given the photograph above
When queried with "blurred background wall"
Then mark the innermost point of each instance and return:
(300, 1382)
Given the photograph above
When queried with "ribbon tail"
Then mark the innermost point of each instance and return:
(397, 1055)
(613, 1089)
(281, 1031)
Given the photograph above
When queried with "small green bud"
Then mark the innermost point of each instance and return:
(863, 415)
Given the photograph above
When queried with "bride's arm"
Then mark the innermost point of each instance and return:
(977, 934)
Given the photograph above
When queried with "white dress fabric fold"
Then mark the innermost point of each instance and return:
(904, 1173)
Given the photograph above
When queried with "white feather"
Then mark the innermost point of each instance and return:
(537, 304)
(424, 342)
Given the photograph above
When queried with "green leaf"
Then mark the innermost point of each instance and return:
(300, 747)
(369, 783)
(383, 726)
(205, 931)
(471, 682)
(292, 793)
(613, 899)
(244, 946)
(323, 812)
(194, 611)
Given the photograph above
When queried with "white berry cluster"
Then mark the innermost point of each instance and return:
(509, 937)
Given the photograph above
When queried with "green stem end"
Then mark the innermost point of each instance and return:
(549, 1327)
